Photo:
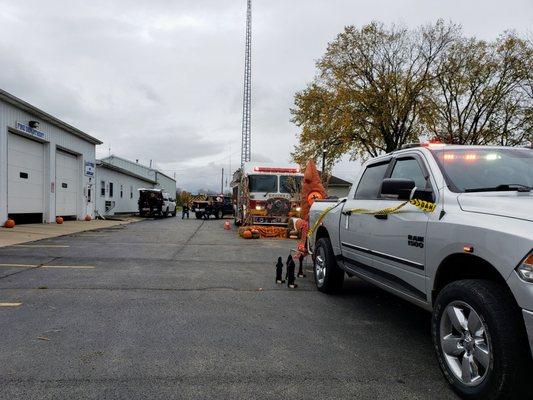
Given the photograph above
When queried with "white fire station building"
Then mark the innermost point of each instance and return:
(47, 167)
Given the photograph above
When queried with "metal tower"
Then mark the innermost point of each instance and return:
(246, 144)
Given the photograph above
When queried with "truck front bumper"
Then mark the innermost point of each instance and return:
(528, 320)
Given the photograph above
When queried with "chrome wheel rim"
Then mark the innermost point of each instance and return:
(465, 343)
(320, 266)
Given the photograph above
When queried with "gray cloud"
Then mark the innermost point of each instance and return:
(162, 80)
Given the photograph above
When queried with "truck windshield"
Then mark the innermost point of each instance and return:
(263, 183)
(290, 184)
(490, 169)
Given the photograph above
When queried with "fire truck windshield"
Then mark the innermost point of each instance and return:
(263, 183)
(290, 184)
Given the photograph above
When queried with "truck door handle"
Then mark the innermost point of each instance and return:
(381, 216)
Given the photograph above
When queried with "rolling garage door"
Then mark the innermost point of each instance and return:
(25, 170)
(67, 183)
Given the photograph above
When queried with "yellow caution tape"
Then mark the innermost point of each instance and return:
(319, 220)
(425, 206)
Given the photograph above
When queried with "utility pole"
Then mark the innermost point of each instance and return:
(222, 182)
(246, 144)
(325, 178)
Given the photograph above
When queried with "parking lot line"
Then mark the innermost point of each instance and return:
(40, 245)
(10, 304)
(69, 266)
(47, 266)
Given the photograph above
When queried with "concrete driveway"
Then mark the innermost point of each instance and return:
(168, 308)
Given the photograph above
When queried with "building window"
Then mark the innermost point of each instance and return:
(121, 191)
(102, 188)
(131, 192)
(110, 189)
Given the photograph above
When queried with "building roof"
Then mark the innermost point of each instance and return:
(101, 163)
(9, 98)
(336, 181)
(112, 156)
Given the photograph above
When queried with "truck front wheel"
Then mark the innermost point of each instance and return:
(480, 340)
(328, 275)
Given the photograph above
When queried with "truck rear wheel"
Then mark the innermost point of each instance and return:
(480, 340)
(198, 215)
(328, 275)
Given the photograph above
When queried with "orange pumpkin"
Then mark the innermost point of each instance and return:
(9, 223)
(255, 234)
(247, 234)
(59, 220)
(88, 217)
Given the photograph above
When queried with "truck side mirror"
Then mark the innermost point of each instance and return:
(403, 188)
(397, 187)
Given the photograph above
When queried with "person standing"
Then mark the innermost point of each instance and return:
(185, 210)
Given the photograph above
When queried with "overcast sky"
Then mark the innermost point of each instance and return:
(162, 79)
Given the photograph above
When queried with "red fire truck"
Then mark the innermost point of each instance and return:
(266, 194)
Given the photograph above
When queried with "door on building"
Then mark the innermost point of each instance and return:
(25, 170)
(67, 183)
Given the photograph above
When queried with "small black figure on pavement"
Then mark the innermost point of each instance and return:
(279, 271)
(300, 267)
(291, 266)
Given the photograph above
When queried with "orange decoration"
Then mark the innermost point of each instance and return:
(312, 189)
(247, 234)
(311, 197)
(59, 220)
(265, 231)
(88, 217)
(255, 234)
(9, 223)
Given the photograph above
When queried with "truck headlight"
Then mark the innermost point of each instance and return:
(525, 269)
(258, 208)
(298, 209)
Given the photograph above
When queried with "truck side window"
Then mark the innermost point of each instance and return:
(371, 180)
(408, 168)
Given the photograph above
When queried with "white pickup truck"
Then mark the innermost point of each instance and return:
(449, 228)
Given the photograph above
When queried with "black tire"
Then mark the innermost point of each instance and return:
(198, 215)
(219, 214)
(167, 213)
(509, 354)
(333, 278)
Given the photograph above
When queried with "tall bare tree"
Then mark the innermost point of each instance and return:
(480, 93)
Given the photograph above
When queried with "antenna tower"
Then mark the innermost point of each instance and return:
(246, 144)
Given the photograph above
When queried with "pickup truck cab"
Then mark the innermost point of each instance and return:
(219, 206)
(449, 228)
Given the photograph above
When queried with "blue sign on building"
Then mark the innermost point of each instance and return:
(89, 168)
(31, 131)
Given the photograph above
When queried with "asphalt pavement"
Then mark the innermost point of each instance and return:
(172, 308)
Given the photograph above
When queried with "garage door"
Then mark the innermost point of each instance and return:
(25, 170)
(67, 182)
